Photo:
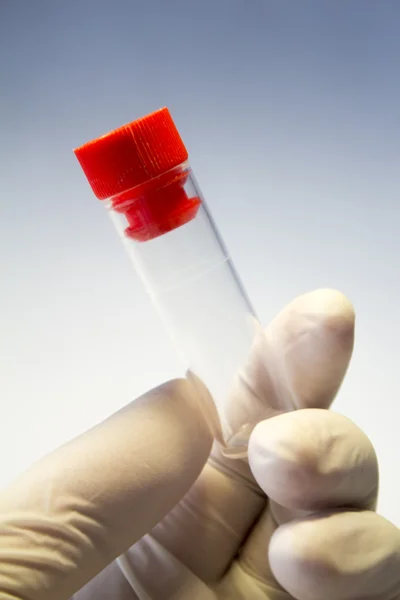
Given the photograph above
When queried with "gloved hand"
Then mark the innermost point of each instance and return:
(296, 520)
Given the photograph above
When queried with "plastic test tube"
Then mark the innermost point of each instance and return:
(142, 174)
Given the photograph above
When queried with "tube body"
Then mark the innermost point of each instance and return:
(192, 282)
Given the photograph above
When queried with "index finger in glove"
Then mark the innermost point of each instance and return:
(75, 511)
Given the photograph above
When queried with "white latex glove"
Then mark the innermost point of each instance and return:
(295, 521)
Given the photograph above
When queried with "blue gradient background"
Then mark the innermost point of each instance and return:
(290, 110)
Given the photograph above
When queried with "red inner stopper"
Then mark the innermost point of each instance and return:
(138, 166)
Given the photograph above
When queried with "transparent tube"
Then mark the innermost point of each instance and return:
(194, 286)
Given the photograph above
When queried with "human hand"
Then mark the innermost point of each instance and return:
(190, 528)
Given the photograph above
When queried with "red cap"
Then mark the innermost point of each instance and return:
(132, 154)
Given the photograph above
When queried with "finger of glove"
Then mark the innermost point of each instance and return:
(338, 556)
(306, 461)
(313, 459)
(223, 505)
(299, 361)
(71, 514)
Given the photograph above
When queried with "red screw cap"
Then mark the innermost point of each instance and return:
(132, 154)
